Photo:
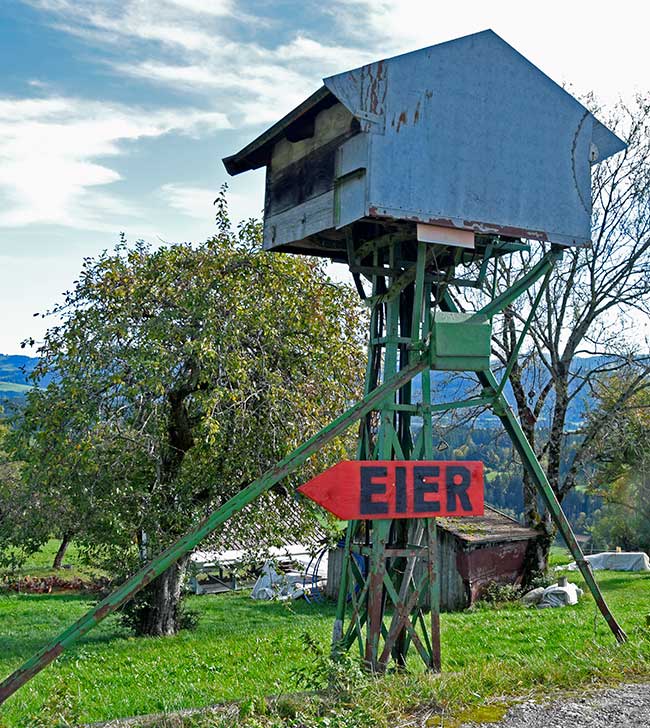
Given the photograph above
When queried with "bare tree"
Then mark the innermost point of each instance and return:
(592, 307)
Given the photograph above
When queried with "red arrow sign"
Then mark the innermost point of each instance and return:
(366, 489)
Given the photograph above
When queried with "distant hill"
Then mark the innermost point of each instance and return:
(451, 386)
(14, 373)
(14, 370)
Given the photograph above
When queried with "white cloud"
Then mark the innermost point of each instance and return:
(173, 23)
(602, 49)
(195, 202)
(50, 152)
(598, 50)
(206, 7)
(186, 45)
(195, 46)
(198, 203)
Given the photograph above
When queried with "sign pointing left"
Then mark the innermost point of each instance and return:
(371, 489)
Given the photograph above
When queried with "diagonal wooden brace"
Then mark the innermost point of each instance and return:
(185, 544)
(529, 460)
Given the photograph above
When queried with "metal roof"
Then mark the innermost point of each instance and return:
(363, 91)
(256, 153)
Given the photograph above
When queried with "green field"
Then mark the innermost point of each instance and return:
(244, 648)
(39, 566)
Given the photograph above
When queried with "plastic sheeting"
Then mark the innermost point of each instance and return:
(271, 585)
(553, 596)
(560, 596)
(616, 561)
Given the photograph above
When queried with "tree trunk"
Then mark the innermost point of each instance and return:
(537, 553)
(60, 554)
(159, 612)
(536, 559)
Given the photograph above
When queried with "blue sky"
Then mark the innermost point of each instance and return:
(114, 115)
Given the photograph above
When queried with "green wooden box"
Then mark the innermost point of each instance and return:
(460, 342)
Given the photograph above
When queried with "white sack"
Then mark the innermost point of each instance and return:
(271, 585)
(534, 596)
(560, 596)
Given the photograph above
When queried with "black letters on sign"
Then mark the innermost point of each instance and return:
(367, 505)
(458, 481)
(422, 488)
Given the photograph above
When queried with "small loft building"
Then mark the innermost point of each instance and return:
(444, 144)
(472, 553)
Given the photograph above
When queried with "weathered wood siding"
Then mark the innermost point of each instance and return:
(464, 569)
(300, 179)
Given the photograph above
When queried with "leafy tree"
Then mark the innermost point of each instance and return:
(182, 374)
(9, 504)
(29, 515)
(622, 475)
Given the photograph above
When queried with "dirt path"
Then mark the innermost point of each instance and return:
(627, 706)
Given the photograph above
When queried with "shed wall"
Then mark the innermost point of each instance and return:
(464, 569)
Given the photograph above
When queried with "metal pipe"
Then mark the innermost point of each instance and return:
(518, 287)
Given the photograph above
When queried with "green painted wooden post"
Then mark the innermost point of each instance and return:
(529, 460)
(404, 299)
(385, 448)
(185, 544)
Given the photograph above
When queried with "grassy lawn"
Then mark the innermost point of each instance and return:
(241, 648)
(244, 648)
(39, 565)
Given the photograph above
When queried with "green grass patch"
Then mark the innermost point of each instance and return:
(245, 650)
(39, 566)
(241, 648)
(559, 556)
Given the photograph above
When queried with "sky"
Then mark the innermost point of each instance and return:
(115, 114)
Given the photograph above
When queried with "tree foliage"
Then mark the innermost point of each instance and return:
(622, 474)
(593, 300)
(11, 500)
(182, 374)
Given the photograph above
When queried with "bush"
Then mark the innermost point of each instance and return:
(496, 593)
(540, 578)
(341, 674)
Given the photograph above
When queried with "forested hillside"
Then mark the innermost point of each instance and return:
(478, 441)
(14, 375)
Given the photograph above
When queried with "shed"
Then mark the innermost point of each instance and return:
(446, 143)
(472, 552)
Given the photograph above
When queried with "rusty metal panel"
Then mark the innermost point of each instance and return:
(466, 134)
(501, 562)
(470, 134)
(363, 91)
